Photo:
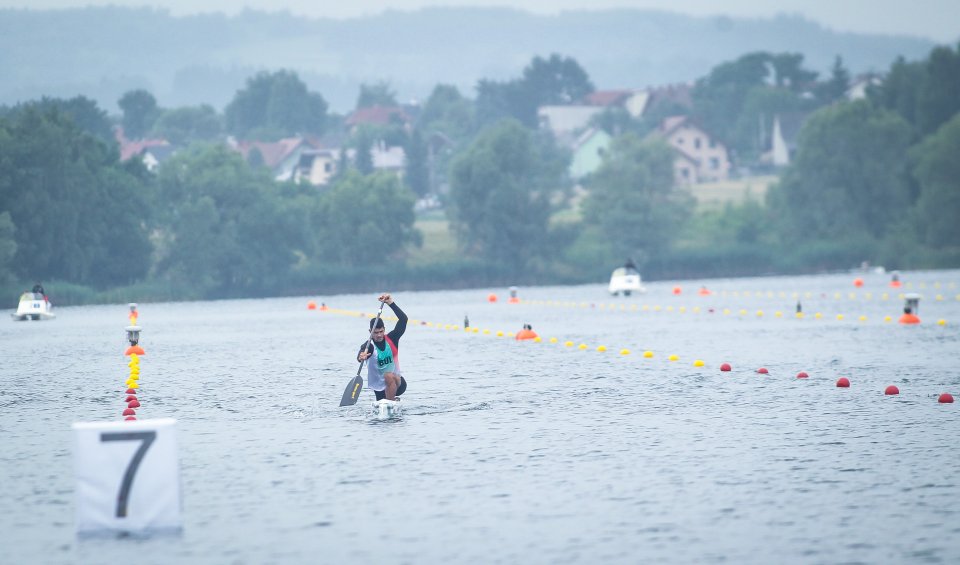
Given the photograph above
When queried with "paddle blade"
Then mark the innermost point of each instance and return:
(352, 392)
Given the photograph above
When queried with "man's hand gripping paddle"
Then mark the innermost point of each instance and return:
(352, 392)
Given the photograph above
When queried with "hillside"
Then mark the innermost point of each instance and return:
(104, 52)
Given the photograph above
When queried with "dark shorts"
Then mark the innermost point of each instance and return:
(381, 394)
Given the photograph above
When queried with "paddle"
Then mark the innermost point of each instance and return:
(352, 392)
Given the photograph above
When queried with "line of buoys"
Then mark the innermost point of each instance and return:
(842, 382)
(134, 351)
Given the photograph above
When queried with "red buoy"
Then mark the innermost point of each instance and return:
(133, 403)
(725, 367)
(892, 389)
(130, 397)
(131, 391)
(129, 412)
(843, 382)
(763, 371)
(131, 419)
(802, 375)
(945, 398)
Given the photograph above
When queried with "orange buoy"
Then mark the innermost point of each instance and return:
(896, 284)
(135, 349)
(725, 367)
(526, 333)
(890, 390)
(843, 382)
(858, 282)
(763, 371)
(676, 290)
(704, 291)
(323, 306)
(492, 298)
(909, 318)
(311, 305)
(514, 300)
(945, 398)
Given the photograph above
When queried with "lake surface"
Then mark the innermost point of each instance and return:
(513, 452)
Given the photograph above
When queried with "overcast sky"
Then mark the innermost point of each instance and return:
(938, 20)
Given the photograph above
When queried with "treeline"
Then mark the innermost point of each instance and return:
(872, 179)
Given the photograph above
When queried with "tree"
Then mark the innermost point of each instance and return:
(139, 112)
(448, 112)
(848, 178)
(417, 166)
(836, 88)
(80, 215)
(225, 229)
(632, 199)
(379, 94)
(938, 172)
(8, 247)
(275, 105)
(363, 147)
(501, 189)
(85, 114)
(898, 91)
(938, 96)
(181, 126)
(556, 80)
(363, 219)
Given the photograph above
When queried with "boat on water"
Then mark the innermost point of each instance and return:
(33, 306)
(627, 280)
(387, 409)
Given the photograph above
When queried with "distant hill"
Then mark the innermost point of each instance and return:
(104, 52)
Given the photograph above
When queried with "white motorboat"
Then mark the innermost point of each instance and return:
(33, 306)
(627, 281)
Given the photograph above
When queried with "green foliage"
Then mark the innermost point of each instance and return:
(83, 111)
(379, 94)
(185, 125)
(848, 177)
(79, 214)
(225, 229)
(363, 146)
(836, 88)
(557, 80)
(632, 199)
(139, 112)
(274, 105)
(446, 111)
(364, 220)
(417, 167)
(937, 170)
(501, 190)
(938, 97)
(8, 246)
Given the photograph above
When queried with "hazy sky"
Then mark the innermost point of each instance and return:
(933, 19)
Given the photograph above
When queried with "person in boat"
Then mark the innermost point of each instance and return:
(630, 265)
(38, 289)
(384, 375)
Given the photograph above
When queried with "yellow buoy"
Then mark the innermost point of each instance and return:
(759, 313)
(568, 344)
(601, 348)
(887, 319)
(648, 354)
(840, 317)
(863, 318)
(553, 340)
(537, 339)
(582, 346)
(698, 363)
(673, 358)
(818, 315)
(624, 352)
(941, 322)
(778, 314)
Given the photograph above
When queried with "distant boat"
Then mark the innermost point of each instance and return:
(626, 280)
(33, 306)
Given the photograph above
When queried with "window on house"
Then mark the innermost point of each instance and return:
(696, 142)
(714, 163)
(685, 173)
(328, 167)
(712, 144)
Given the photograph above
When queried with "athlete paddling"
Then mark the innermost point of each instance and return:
(383, 371)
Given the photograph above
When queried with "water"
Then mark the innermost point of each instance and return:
(512, 452)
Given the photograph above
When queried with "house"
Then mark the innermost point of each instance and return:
(281, 157)
(155, 155)
(380, 116)
(700, 158)
(670, 99)
(859, 86)
(633, 101)
(588, 152)
(566, 120)
(319, 166)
